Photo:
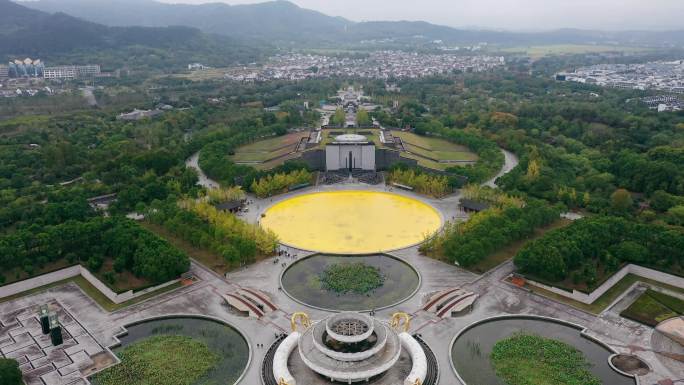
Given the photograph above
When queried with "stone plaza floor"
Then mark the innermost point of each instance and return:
(22, 339)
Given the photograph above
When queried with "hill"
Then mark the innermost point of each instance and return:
(279, 20)
(60, 37)
(284, 22)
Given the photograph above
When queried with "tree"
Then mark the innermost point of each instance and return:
(362, 118)
(621, 201)
(339, 118)
(9, 372)
(662, 201)
(676, 215)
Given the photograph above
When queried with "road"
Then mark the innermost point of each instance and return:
(204, 180)
(510, 162)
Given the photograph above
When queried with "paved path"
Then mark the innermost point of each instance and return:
(204, 180)
(510, 162)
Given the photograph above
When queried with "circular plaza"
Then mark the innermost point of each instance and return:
(351, 222)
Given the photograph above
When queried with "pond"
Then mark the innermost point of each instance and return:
(301, 282)
(470, 352)
(222, 339)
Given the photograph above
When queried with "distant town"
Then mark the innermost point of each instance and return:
(378, 65)
(666, 76)
(660, 75)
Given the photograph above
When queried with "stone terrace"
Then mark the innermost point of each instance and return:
(22, 339)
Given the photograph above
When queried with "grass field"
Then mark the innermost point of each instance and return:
(264, 150)
(539, 51)
(275, 162)
(210, 74)
(427, 162)
(653, 307)
(438, 151)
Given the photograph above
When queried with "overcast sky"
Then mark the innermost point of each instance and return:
(505, 14)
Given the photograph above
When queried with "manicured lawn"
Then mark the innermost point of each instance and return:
(275, 162)
(533, 360)
(653, 307)
(435, 148)
(508, 252)
(427, 162)
(161, 360)
(442, 156)
(270, 148)
(429, 142)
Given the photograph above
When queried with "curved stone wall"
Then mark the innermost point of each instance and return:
(418, 358)
(282, 355)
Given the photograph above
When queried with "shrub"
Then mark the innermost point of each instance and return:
(279, 183)
(423, 183)
(9, 372)
(357, 278)
(533, 360)
(469, 242)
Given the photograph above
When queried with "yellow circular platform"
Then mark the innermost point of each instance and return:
(351, 222)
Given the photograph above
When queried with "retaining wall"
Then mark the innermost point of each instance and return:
(71, 272)
(640, 271)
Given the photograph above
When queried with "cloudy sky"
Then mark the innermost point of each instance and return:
(505, 14)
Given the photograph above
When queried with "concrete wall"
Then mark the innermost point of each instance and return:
(337, 157)
(315, 159)
(610, 282)
(70, 272)
(282, 355)
(385, 158)
(41, 280)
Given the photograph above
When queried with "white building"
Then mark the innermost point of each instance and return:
(350, 152)
(197, 67)
(71, 72)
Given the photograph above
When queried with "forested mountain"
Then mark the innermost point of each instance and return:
(283, 21)
(279, 20)
(27, 32)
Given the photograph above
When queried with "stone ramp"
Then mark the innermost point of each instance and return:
(449, 301)
(253, 302)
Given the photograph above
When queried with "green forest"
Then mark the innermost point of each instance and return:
(583, 254)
